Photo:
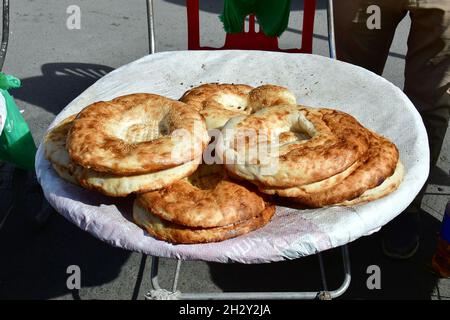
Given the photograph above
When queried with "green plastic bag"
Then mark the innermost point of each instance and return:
(272, 15)
(16, 143)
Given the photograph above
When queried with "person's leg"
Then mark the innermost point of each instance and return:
(427, 84)
(427, 72)
(355, 42)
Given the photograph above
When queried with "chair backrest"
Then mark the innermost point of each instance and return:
(251, 40)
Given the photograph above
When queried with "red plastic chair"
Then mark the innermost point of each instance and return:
(250, 40)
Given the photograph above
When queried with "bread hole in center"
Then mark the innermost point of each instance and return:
(232, 102)
(293, 136)
(300, 129)
(146, 131)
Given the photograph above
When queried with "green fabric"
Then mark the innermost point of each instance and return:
(16, 143)
(272, 15)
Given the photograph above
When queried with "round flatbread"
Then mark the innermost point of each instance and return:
(136, 134)
(207, 198)
(269, 95)
(218, 103)
(174, 233)
(117, 186)
(312, 187)
(289, 146)
(388, 186)
(381, 162)
(55, 150)
(108, 184)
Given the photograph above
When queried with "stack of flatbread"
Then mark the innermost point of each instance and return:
(262, 149)
(109, 147)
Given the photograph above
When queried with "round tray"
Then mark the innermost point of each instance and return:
(318, 82)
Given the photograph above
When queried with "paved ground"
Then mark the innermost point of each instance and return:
(50, 60)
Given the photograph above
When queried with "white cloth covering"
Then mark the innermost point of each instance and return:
(318, 82)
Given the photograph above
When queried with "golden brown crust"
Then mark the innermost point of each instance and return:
(270, 95)
(122, 186)
(206, 199)
(202, 96)
(380, 163)
(313, 187)
(218, 103)
(133, 134)
(107, 184)
(337, 141)
(388, 186)
(174, 233)
(65, 173)
(55, 150)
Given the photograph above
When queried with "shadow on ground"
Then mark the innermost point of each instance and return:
(35, 260)
(439, 177)
(59, 84)
(410, 279)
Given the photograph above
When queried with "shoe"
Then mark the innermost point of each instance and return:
(400, 251)
(400, 237)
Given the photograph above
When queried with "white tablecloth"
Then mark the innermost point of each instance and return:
(317, 81)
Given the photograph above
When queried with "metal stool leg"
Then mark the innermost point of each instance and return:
(324, 295)
(151, 26)
(5, 33)
(154, 276)
(176, 276)
(331, 37)
(328, 295)
(347, 274)
(161, 294)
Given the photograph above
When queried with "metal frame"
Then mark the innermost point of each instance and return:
(3, 50)
(159, 293)
(331, 35)
(151, 26)
(5, 33)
